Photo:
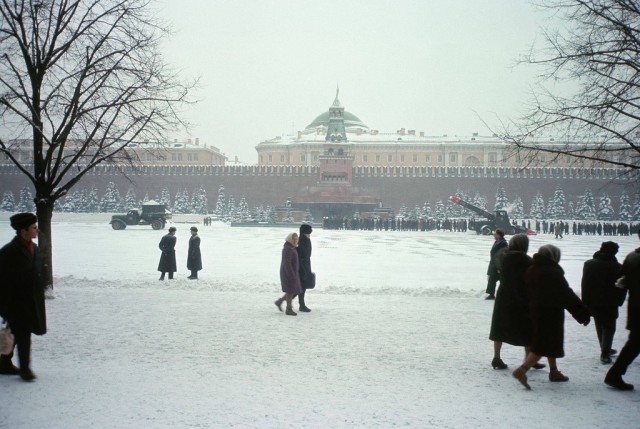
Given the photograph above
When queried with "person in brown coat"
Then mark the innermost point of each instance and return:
(289, 273)
(549, 296)
(22, 293)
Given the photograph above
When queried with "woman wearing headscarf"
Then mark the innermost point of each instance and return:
(549, 295)
(511, 322)
(289, 275)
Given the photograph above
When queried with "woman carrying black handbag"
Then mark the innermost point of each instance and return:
(307, 277)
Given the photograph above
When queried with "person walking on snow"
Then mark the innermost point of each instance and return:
(493, 274)
(307, 277)
(289, 274)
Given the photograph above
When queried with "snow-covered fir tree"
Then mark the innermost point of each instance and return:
(556, 209)
(221, 203)
(517, 209)
(111, 201)
(199, 201)
(426, 210)
(635, 213)
(417, 212)
(146, 199)
(501, 198)
(270, 214)
(81, 206)
(537, 210)
(605, 209)
(308, 217)
(586, 208)
(624, 213)
(439, 211)
(165, 198)
(480, 201)
(231, 213)
(243, 208)
(26, 203)
(571, 211)
(8, 202)
(404, 212)
(130, 201)
(181, 203)
(93, 202)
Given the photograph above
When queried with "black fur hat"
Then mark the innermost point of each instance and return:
(22, 220)
(305, 229)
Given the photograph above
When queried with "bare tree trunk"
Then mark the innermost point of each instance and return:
(44, 211)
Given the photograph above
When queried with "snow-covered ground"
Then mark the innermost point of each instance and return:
(397, 337)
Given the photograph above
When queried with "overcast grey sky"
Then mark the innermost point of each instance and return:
(270, 67)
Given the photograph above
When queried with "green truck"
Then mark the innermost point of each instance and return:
(152, 213)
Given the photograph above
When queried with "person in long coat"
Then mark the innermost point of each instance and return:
(493, 273)
(194, 258)
(630, 281)
(167, 262)
(510, 322)
(22, 293)
(549, 296)
(307, 277)
(289, 273)
(601, 296)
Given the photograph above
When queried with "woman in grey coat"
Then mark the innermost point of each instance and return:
(289, 275)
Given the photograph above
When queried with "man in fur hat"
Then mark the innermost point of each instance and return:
(22, 293)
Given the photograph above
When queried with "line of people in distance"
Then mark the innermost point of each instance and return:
(534, 294)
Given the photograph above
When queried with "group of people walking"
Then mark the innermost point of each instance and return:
(167, 245)
(295, 270)
(534, 294)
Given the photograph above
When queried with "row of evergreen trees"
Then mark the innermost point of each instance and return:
(587, 207)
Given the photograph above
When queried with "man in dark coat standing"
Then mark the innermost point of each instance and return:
(167, 262)
(631, 282)
(22, 293)
(601, 296)
(493, 274)
(307, 277)
(194, 258)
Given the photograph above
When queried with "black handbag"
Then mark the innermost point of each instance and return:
(311, 282)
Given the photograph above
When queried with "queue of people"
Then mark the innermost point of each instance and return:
(534, 294)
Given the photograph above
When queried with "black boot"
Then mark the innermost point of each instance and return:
(303, 307)
(6, 366)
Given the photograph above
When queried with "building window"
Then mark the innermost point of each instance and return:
(518, 159)
(453, 158)
(389, 158)
(402, 157)
(195, 156)
(315, 157)
(179, 156)
(303, 158)
(440, 159)
(427, 158)
(492, 158)
(415, 158)
(282, 158)
(543, 159)
(377, 157)
(365, 158)
(189, 157)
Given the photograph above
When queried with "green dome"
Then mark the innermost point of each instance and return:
(350, 121)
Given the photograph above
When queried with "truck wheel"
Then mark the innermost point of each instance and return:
(157, 224)
(485, 230)
(118, 225)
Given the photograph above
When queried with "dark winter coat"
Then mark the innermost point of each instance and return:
(631, 273)
(304, 256)
(167, 262)
(549, 295)
(22, 288)
(493, 267)
(194, 258)
(599, 276)
(511, 322)
(289, 270)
